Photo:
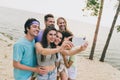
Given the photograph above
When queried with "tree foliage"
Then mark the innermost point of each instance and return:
(93, 6)
(118, 28)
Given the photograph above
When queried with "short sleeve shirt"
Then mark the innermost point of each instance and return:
(24, 52)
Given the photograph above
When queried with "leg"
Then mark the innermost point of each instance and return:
(63, 75)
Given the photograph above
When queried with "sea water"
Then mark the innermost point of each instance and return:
(12, 23)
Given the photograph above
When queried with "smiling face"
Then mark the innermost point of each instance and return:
(51, 36)
(61, 24)
(34, 30)
(58, 39)
(50, 22)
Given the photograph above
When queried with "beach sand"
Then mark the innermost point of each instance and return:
(11, 24)
(87, 69)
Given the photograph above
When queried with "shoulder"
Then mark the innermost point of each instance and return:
(22, 42)
(38, 44)
(19, 41)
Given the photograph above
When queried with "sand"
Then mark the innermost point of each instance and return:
(87, 69)
(13, 25)
(6, 69)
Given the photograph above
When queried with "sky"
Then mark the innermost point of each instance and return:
(71, 9)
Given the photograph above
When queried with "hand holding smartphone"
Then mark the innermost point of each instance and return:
(78, 41)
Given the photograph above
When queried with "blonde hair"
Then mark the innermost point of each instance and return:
(64, 21)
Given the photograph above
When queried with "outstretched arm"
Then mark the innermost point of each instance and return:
(75, 51)
(46, 51)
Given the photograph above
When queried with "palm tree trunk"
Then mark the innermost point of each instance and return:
(96, 31)
(110, 34)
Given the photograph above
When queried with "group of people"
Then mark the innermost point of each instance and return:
(45, 54)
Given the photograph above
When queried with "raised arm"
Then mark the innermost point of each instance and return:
(75, 51)
(46, 51)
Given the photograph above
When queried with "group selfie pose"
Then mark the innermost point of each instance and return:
(46, 54)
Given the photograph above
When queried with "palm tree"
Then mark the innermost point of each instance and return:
(96, 31)
(110, 33)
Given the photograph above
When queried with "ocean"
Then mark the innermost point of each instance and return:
(12, 22)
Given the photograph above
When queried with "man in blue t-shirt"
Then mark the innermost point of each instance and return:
(49, 21)
(24, 57)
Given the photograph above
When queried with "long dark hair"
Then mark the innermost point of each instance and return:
(44, 41)
(67, 34)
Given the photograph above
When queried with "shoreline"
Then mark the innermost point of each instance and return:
(87, 69)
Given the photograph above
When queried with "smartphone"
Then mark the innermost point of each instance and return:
(78, 41)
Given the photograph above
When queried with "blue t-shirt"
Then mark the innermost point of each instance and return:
(39, 37)
(24, 51)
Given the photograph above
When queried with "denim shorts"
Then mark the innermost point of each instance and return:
(49, 76)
